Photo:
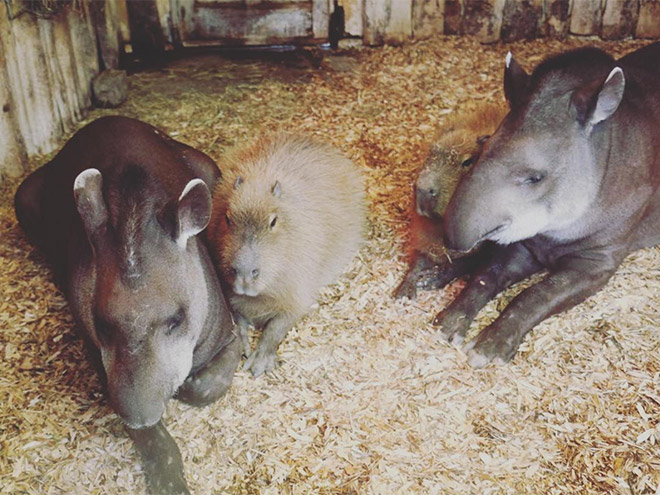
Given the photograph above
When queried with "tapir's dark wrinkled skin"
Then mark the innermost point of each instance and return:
(117, 212)
(568, 183)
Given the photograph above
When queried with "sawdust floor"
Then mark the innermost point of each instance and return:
(367, 399)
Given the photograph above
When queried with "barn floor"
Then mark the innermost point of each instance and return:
(367, 399)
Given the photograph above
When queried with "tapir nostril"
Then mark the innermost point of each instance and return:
(255, 272)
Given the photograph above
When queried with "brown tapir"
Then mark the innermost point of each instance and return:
(117, 213)
(568, 183)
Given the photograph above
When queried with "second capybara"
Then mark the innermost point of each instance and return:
(457, 145)
(289, 214)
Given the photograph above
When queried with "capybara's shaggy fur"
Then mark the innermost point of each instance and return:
(457, 145)
(289, 214)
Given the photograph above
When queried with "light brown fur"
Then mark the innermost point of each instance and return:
(320, 222)
(456, 141)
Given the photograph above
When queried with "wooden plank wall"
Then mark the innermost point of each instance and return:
(395, 21)
(46, 65)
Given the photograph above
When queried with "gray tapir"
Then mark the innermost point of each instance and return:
(117, 213)
(568, 183)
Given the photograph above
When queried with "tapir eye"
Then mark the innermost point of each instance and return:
(534, 178)
(273, 222)
(174, 322)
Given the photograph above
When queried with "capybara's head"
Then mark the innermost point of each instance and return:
(443, 168)
(458, 145)
(251, 232)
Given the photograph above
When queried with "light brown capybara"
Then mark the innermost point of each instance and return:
(289, 214)
(457, 145)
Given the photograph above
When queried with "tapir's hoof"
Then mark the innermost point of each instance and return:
(260, 362)
(212, 382)
(161, 460)
(453, 326)
(490, 347)
(406, 289)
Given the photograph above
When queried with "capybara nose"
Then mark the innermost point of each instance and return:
(255, 273)
(426, 201)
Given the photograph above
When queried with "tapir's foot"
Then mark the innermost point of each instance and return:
(453, 325)
(260, 361)
(492, 346)
(407, 288)
(213, 380)
(161, 460)
(433, 278)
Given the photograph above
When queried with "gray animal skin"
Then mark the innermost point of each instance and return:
(117, 212)
(568, 183)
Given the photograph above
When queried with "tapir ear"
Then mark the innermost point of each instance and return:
(193, 211)
(88, 196)
(598, 100)
(516, 81)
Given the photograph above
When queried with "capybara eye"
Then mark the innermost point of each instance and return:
(273, 222)
(468, 162)
(228, 220)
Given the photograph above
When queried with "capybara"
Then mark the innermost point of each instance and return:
(288, 215)
(457, 145)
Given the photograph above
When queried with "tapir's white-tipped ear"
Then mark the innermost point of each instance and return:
(598, 100)
(610, 96)
(88, 196)
(193, 211)
(516, 81)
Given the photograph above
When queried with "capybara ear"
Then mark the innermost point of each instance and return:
(88, 196)
(598, 100)
(193, 211)
(238, 182)
(516, 81)
(277, 189)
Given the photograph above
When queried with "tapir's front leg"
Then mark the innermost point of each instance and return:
(161, 460)
(508, 265)
(263, 357)
(212, 381)
(566, 286)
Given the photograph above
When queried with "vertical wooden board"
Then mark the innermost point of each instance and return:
(556, 17)
(13, 157)
(106, 27)
(453, 16)
(648, 23)
(28, 80)
(376, 15)
(428, 18)
(483, 19)
(521, 19)
(585, 17)
(353, 10)
(320, 18)
(619, 19)
(398, 28)
(82, 48)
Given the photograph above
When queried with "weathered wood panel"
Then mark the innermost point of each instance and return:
(353, 10)
(557, 16)
(389, 21)
(428, 18)
(585, 17)
(46, 65)
(619, 19)
(483, 19)
(521, 19)
(648, 25)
